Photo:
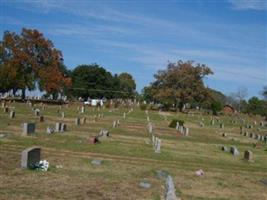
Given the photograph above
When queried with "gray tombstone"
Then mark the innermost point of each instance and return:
(258, 137)
(248, 155)
(104, 133)
(234, 151)
(186, 131)
(30, 156)
(82, 109)
(177, 126)
(251, 135)
(114, 124)
(63, 127)
(158, 145)
(77, 121)
(83, 120)
(28, 128)
(212, 122)
(224, 148)
(58, 127)
(222, 125)
(37, 112)
(6, 109)
(224, 134)
(12, 114)
(170, 189)
(150, 128)
(62, 115)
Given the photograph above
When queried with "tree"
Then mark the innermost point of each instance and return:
(216, 106)
(181, 83)
(127, 85)
(29, 58)
(92, 81)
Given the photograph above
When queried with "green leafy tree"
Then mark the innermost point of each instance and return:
(181, 83)
(92, 81)
(127, 85)
(216, 107)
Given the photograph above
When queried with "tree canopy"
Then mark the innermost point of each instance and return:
(180, 83)
(95, 82)
(29, 59)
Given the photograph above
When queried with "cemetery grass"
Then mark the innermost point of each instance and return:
(128, 157)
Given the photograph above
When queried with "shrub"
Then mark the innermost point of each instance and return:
(174, 122)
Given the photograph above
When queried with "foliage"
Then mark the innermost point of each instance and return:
(30, 58)
(181, 83)
(127, 85)
(174, 122)
(92, 81)
(216, 106)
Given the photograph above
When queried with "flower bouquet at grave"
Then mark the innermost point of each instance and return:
(42, 165)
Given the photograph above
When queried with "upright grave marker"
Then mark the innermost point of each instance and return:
(30, 156)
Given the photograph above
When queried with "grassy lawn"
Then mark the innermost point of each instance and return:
(128, 156)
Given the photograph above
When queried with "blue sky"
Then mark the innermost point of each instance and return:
(140, 37)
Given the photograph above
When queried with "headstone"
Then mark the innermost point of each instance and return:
(234, 151)
(6, 109)
(262, 124)
(12, 114)
(37, 112)
(158, 146)
(241, 130)
(41, 118)
(58, 127)
(186, 131)
(170, 189)
(212, 122)
(248, 155)
(28, 128)
(258, 137)
(84, 120)
(96, 162)
(201, 124)
(124, 115)
(63, 127)
(150, 128)
(224, 134)
(222, 125)
(104, 133)
(77, 121)
(114, 124)
(224, 148)
(30, 157)
(251, 135)
(147, 118)
(62, 115)
(177, 126)
(82, 109)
